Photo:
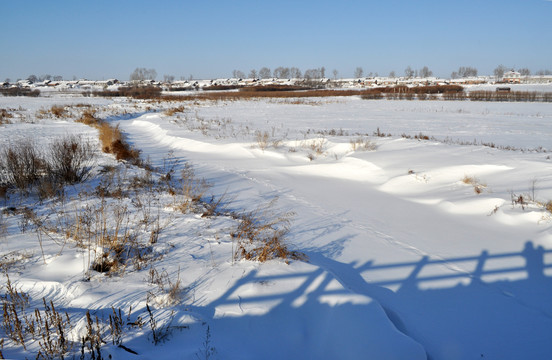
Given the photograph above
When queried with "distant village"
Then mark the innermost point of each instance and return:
(509, 77)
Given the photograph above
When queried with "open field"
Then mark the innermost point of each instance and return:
(279, 228)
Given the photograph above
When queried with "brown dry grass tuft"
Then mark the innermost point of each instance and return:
(260, 235)
(473, 181)
(111, 138)
(5, 116)
(58, 111)
(548, 206)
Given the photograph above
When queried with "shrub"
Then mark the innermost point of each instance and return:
(18, 91)
(21, 164)
(137, 92)
(71, 158)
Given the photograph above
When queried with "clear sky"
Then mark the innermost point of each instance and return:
(103, 39)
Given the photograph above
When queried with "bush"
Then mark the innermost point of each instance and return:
(21, 164)
(17, 91)
(137, 92)
(71, 159)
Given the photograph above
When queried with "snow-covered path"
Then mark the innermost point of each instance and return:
(464, 275)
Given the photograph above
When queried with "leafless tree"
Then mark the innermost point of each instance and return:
(499, 71)
(264, 73)
(32, 78)
(524, 71)
(253, 74)
(335, 73)
(425, 72)
(392, 74)
(295, 73)
(168, 78)
(313, 74)
(464, 72)
(143, 74)
(237, 74)
(359, 72)
(281, 72)
(408, 72)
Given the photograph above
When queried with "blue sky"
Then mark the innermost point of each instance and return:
(104, 39)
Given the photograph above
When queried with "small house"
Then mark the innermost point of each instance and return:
(512, 77)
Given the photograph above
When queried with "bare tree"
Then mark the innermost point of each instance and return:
(464, 72)
(335, 73)
(425, 72)
(313, 74)
(295, 73)
(392, 74)
(277, 73)
(322, 72)
(143, 74)
(253, 74)
(264, 73)
(168, 78)
(408, 72)
(359, 72)
(32, 78)
(58, 78)
(524, 71)
(237, 74)
(285, 73)
(499, 71)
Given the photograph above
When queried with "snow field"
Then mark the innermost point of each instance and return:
(406, 259)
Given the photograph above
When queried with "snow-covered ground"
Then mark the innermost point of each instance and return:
(416, 249)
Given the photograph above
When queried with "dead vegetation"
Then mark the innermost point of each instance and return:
(5, 116)
(68, 160)
(260, 235)
(473, 181)
(52, 334)
(111, 138)
(362, 143)
(19, 91)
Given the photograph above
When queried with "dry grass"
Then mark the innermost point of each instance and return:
(363, 143)
(473, 181)
(174, 110)
(548, 206)
(111, 138)
(5, 116)
(58, 111)
(262, 138)
(260, 235)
